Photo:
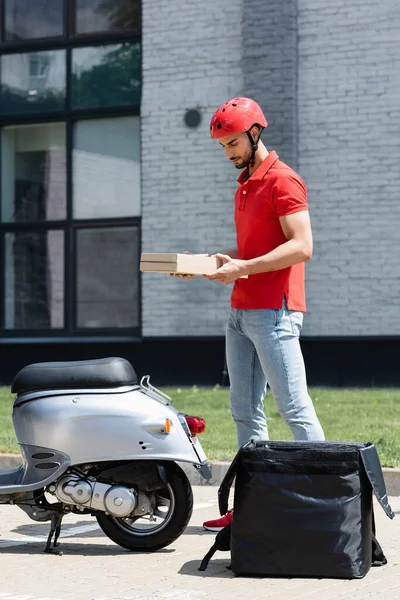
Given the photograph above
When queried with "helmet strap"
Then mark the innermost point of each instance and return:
(254, 145)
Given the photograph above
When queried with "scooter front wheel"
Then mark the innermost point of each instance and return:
(173, 509)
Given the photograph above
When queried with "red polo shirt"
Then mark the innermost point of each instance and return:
(273, 190)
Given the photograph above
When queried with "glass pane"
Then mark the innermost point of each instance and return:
(106, 76)
(106, 15)
(33, 182)
(34, 280)
(108, 277)
(28, 19)
(32, 82)
(106, 168)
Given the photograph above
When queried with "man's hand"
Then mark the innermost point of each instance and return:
(231, 269)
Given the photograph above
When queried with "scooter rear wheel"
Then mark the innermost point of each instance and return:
(174, 506)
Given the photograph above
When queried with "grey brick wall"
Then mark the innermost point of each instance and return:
(349, 156)
(327, 76)
(199, 54)
(270, 70)
(191, 59)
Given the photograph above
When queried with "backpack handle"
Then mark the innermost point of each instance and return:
(373, 469)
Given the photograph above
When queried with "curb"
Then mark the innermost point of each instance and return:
(218, 469)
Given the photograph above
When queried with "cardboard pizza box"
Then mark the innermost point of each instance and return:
(169, 262)
(174, 262)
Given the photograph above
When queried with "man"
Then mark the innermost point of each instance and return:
(274, 240)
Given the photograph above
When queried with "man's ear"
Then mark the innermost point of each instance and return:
(254, 132)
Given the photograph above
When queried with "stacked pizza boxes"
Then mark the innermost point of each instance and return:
(184, 264)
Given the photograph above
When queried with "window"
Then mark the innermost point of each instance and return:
(106, 15)
(34, 280)
(70, 89)
(106, 76)
(33, 182)
(106, 168)
(106, 290)
(33, 82)
(29, 19)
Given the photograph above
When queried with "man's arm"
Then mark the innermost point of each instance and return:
(297, 249)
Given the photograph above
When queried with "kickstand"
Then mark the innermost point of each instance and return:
(55, 528)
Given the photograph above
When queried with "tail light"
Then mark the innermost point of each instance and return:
(196, 424)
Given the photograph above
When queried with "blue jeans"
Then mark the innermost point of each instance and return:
(262, 346)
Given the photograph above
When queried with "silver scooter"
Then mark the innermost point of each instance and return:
(95, 441)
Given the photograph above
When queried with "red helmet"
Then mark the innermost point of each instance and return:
(235, 116)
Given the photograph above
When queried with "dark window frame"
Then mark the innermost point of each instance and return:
(69, 37)
(101, 224)
(68, 116)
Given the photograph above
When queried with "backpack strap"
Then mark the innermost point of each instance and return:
(226, 483)
(222, 542)
(204, 563)
(373, 470)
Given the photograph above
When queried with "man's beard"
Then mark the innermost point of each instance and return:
(240, 165)
(243, 163)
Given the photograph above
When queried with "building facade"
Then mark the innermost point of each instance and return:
(105, 152)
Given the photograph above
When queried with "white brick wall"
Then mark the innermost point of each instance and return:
(191, 58)
(349, 156)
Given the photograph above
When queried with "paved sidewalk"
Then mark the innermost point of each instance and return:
(94, 568)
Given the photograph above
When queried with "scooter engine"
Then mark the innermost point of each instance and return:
(117, 500)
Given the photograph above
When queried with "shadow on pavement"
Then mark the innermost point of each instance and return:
(216, 568)
(36, 548)
(198, 530)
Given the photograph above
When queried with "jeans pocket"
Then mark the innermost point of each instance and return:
(296, 321)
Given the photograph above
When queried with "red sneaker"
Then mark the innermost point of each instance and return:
(218, 524)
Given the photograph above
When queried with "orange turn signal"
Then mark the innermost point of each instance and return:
(167, 426)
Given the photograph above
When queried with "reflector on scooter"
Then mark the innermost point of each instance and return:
(195, 424)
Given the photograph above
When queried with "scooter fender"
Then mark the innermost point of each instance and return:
(92, 426)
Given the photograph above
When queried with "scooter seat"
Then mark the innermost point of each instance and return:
(99, 373)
